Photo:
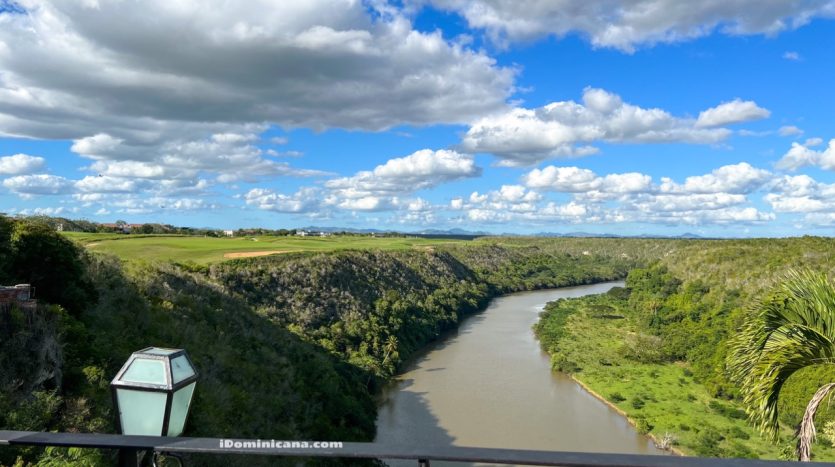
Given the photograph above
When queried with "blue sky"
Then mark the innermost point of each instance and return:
(536, 116)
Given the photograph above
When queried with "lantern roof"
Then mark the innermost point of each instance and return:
(156, 368)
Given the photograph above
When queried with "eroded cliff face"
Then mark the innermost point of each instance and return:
(30, 350)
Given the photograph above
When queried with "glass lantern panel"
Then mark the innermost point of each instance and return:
(159, 351)
(145, 370)
(179, 409)
(141, 412)
(180, 369)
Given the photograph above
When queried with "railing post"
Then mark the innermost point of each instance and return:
(423, 462)
(129, 457)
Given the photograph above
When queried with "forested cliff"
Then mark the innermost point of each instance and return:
(289, 347)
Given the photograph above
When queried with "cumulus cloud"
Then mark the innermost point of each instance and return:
(801, 193)
(577, 180)
(737, 178)
(627, 24)
(380, 189)
(719, 197)
(385, 188)
(230, 156)
(802, 155)
(305, 200)
(373, 70)
(735, 111)
(20, 164)
(563, 129)
(39, 184)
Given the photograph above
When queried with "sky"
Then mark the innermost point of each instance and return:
(626, 117)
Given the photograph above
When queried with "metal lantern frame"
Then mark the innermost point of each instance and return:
(169, 388)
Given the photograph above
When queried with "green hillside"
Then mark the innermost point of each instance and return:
(658, 349)
(290, 346)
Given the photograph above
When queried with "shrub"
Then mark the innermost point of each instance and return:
(643, 425)
(707, 442)
(616, 397)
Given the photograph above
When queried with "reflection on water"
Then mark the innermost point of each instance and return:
(490, 385)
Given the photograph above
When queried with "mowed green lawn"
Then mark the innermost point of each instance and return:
(208, 249)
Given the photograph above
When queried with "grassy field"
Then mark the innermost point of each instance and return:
(204, 250)
(662, 399)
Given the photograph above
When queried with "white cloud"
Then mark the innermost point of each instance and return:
(656, 204)
(631, 182)
(304, 200)
(801, 155)
(20, 164)
(793, 56)
(47, 211)
(419, 204)
(382, 189)
(365, 203)
(737, 178)
(39, 184)
(141, 205)
(801, 193)
(735, 111)
(377, 189)
(230, 156)
(627, 24)
(94, 184)
(373, 70)
(563, 179)
(789, 130)
(563, 129)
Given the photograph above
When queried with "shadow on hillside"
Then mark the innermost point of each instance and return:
(257, 380)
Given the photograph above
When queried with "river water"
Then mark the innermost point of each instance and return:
(489, 384)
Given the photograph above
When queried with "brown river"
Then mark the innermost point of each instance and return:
(488, 384)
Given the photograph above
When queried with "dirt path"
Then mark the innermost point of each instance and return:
(250, 254)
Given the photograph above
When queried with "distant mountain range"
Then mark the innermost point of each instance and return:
(480, 233)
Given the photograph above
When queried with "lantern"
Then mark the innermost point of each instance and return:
(152, 392)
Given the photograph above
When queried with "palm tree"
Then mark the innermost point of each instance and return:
(793, 329)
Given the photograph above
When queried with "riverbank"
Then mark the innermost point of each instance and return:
(658, 443)
(600, 346)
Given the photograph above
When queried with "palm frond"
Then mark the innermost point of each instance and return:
(794, 328)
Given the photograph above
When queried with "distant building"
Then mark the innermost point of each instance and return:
(20, 294)
(324, 234)
(60, 227)
(302, 233)
(122, 228)
(229, 233)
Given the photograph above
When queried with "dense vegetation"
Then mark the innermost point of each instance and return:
(373, 307)
(329, 325)
(289, 347)
(667, 334)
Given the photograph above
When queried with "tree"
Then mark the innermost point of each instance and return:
(52, 264)
(793, 328)
(6, 227)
